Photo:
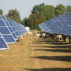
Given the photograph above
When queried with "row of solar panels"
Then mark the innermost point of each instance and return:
(10, 30)
(58, 25)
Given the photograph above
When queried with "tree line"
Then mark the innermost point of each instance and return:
(39, 14)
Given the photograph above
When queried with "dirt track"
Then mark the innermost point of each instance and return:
(36, 55)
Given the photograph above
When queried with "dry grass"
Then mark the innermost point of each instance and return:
(30, 55)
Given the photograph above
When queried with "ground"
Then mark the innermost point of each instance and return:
(33, 54)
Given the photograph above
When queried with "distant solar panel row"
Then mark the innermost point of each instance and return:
(59, 25)
(10, 30)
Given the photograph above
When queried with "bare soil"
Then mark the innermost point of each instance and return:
(31, 54)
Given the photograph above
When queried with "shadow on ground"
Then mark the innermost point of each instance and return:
(51, 42)
(55, 50)
(68, 46)
(57, 58)
(51, 69)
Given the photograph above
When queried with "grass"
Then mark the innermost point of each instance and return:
(33, 54)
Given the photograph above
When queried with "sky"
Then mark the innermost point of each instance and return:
(25, 6)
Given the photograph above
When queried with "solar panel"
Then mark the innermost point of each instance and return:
(9, 26)
(10, 31)
(59, 25)
(5, 30)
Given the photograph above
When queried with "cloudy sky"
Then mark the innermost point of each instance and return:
(25, 6)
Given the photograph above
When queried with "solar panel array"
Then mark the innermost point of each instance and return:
(10, 31)
(58, 25)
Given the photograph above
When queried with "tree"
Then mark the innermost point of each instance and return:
(24, 22)
(60, 9)
(14, 14)
(35, 19)
(1, 12)
(68, 9)
(47, 10)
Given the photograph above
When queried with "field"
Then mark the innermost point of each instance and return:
(33, 54)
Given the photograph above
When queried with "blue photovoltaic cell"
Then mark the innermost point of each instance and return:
(8, 38)
(4, 30)
(8, 24)
(14, 28)
(2, 43)
(17, 33)
(69, 15)
(3, 17)
(2, 23)
(10, 28)
(14, 35)
(9, 21)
